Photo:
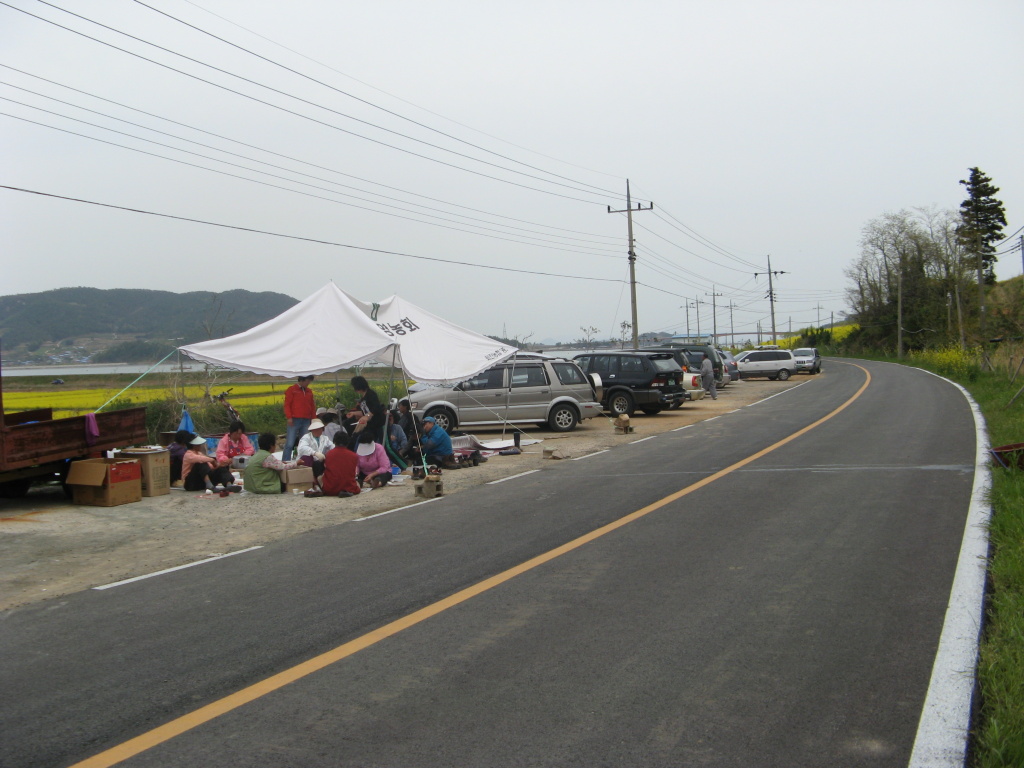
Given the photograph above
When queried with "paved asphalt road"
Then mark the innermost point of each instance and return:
(786, 613)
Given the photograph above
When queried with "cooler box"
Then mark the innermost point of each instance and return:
(105, 482)
(156, 468)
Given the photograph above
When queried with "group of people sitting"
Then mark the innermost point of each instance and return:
(193, 468)
(344, 451)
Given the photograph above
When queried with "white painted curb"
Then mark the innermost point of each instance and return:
(944, 728)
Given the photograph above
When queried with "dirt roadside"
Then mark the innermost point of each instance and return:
(50, 547)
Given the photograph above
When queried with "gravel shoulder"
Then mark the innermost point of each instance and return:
(50, 547)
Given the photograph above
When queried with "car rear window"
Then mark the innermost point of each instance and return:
(665, 364)
(803, 353)
(568, 373)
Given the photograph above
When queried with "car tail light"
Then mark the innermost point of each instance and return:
(660, 380)
(695, 382)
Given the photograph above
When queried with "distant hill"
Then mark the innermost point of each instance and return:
(91, 320)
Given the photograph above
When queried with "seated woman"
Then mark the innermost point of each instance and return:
(234, 443)
(201, 472)
(374, 464)
(340, 468)
(396, 435)
(261, 473)
(177, 450)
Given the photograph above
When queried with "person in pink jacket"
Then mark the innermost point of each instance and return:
(374, 464)
(234, 443)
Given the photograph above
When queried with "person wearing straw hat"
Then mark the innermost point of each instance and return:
(313, 447)
(200, 472)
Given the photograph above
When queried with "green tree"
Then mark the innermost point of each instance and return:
(982, 218)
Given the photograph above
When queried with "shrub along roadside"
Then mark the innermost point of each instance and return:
(998, 730)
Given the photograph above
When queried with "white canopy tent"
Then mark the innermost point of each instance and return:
(331, 330)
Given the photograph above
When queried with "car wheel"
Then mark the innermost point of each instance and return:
(563, 418)
(621, 403)
(783, 374)
(444, 418)
(651, 411)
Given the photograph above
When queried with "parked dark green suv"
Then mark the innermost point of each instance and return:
(650, 381)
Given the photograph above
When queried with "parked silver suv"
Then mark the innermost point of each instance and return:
(553, 392)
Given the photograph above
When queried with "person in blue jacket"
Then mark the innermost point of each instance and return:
(435, 444)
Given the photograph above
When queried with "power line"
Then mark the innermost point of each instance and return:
(308, 239)
(393, 96)
(364, 101)
(268, 151)
(289, 170)
(292, 112)
(275, 186)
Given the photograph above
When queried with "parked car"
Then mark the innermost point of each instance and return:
(552, 392)
(650, 380)
(807, 360)
(767, 363)
(730, 364)
(691, 380)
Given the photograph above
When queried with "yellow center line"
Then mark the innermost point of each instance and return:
(222, 706)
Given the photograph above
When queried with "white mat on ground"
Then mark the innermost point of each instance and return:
(471, 443)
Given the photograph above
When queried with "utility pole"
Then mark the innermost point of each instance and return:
(732, 327)
(687, 305)
(714, 314)
(632, 257)
(696, 306)
(819, 308)
(771, 294)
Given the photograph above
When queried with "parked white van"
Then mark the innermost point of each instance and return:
(767, 363)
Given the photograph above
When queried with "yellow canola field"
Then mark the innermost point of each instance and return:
(71, 402)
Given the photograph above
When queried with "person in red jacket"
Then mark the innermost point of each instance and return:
(299, 410)
(340, 466)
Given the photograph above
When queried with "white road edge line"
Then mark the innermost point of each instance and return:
(642, 439)
(945, 723)
(398, 509)
(595, 453)
(177, 568)
(513, 477)
(679, 428)
(757, 402)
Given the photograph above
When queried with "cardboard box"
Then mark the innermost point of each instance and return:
(298, 479)
(156, 468)
(105, 482)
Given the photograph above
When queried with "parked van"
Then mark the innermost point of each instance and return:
(767, 363)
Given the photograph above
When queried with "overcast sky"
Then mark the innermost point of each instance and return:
(482, 134)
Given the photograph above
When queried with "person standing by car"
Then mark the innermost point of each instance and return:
(707, 376)
(299, 410)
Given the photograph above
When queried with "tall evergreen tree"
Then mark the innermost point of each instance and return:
(982, 218)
